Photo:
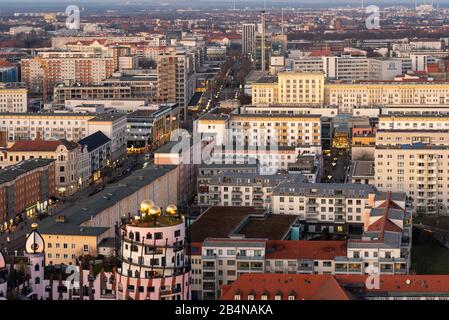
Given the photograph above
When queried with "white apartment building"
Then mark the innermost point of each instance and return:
(420, 170)
(414, 122)
(13, 99)
(263, 129)
(324, 203)
(69, 126)
(249, 38)
(224, 261)
(244, 189)
(207, 172)
(412, 93)
(278, 109)
(347, 67)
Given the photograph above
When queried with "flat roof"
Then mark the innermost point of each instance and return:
(361, 168)
(10, 173)
(221, 222)
(324, 189)
(84, 210)
(271, 227)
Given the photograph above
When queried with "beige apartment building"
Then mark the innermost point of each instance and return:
(263, 129)
(71, 161)
(176, 78)
(414, 122)
(396, 137)
(13, 99)
(290, 88)
(349, 95)
(420, 170)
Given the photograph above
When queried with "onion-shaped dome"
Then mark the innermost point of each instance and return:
(34, 243)
(155, 212)
(172, 210)
(145, 206)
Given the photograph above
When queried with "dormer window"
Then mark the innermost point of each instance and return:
(291, 297)
(250, 297)
(237, 297)
(264, 297)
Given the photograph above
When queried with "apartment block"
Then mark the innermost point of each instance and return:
(244, 189)
(44, 72)
(63, 93)
(152, 127)
(207, 172)
(25, 189)
(420, 170)
(339, 208)
(413, 92)
(176, 73)
(71, 161)
(290, 88)
(69, 126)
(13, 99)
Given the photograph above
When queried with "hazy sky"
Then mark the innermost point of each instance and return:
(8, 5)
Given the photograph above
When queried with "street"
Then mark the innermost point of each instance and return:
(335, 166)
(15, 239)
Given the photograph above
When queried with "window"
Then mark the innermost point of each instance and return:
(86, 248)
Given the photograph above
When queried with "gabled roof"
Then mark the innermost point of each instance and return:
(94, 141)
(301, 286)
(42, 145)
(387, 225)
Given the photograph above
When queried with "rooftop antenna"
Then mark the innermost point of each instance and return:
(282, 21)
(262, 56)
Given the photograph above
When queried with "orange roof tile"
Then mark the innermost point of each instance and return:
(302, 286)
(41, 145)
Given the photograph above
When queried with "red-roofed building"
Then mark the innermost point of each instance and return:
(303, 256)
(337, 287)
(284, 287)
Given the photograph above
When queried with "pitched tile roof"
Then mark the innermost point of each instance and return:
(41, 145)
(301, 286)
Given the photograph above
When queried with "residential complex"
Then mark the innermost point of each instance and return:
(26, 188)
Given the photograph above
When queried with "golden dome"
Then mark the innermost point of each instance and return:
(172, 210)
(34, 226)
(155, 211)
(145, 206)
